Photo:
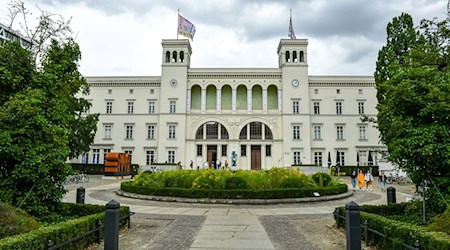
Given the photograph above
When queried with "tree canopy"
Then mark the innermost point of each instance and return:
(43, 122)
(413, 90)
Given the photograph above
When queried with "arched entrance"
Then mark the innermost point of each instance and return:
(211, 140)
(256, 143)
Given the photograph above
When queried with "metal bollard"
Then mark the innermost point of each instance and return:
(353, 226)
(112, 218)
(391, 198)
(80, 195)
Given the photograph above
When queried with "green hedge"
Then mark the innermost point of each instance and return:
(64, 231)
(399, 231)
(278, 193)
(348, 169)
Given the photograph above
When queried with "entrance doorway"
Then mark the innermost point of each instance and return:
(256, 157)
(212, 155)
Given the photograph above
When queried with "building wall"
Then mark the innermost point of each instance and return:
(235, 98)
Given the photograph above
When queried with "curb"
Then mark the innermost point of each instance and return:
(234, 201)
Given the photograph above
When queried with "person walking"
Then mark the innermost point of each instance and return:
(382, 180)
(353, 179)
(361, 180)
(368, 178)
(191, 164)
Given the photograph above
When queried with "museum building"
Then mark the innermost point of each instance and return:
(266, 117)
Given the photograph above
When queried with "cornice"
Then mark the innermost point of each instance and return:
(121, 81)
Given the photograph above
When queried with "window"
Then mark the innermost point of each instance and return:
(131, 91)
(340, 132)
(172, 131)
(151, 107)
(130, 107)
(296, 132)
(151, 132)
(129, 132)
(318, 158)
(199, 150)
(152, 91)
(243, 150)
(212, 130)
(317, 132)
(243, 134)
(105, 151)
(130, 154)
(108, 107)
(361, 108)
(338, 91)
(297, 159)
(256, 131)
(199, 134)
(316, 91)
(149, 157)
(224, 150)
(85, 158)
(295, 107)
(109, 91)
(339, 108)
(362, 133)
(171, 156)
(173, 106)
(108, 130)
(341, 157)
(360, 91)
(268, 150)
(223, 132)
(95, 156)
(316, 108)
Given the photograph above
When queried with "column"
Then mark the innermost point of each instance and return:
(219, 97)
(249, 100)
(263, 131)
(263, 156)
(188, 101)
(248, 131)
(233, 101)
(249, 157)
(219, 128)
(203, 100)
(204, 131)
(264, 93)
(280, 101)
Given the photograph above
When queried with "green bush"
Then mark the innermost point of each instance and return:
(236, 182)
(61, 232)
(321, 179)
(278, 193)
(441, 223)
(15, 221)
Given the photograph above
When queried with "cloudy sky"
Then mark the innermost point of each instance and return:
(123, 37)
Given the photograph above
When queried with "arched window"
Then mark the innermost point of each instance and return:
(288, 56)
(168, 56)
(181, 56)
(268, 133)
(241, 97)
(294, 56)
(255, 132)
(211, 97)
(212, 131)
(196, 97)
(257, 98)
(226, 98)
(302, 56)
(174, 56)
(272, 97)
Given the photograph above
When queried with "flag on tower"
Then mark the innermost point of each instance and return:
(185, 27)
(291, 33)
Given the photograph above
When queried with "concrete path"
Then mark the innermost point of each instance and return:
(215, 226)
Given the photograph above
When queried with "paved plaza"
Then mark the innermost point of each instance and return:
(174, 225)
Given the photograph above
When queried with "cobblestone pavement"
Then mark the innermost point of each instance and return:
(173, 225)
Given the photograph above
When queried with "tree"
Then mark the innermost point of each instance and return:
(413, 83)
(43, 122)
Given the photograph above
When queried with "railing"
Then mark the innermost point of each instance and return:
(97, 231)
(338, 217)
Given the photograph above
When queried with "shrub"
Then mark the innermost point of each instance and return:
(321, 179)
(15, 221)
(441, 223)
(236, 182)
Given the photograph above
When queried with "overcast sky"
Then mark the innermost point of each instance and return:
(123, 37)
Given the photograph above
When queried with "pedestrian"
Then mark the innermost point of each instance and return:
(226, 164)
(191, 164)
(368, 178)
(382, 180)
(219, 164)
(361, 180)
(353, 179)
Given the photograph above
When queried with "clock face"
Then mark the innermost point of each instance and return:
(295, 83)
(173, 82)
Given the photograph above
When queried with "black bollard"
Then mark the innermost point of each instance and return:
(391, 195)
(80, 195)
(353, 226)
(112, 217)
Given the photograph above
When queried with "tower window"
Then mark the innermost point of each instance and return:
(294, 56)
(182, 56)
(174, 56)
(168, 56)
(302, 56)
(288, 56)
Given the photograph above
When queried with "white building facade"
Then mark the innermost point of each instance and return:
(268, 117)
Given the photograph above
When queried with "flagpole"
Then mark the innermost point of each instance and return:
(178, 22)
